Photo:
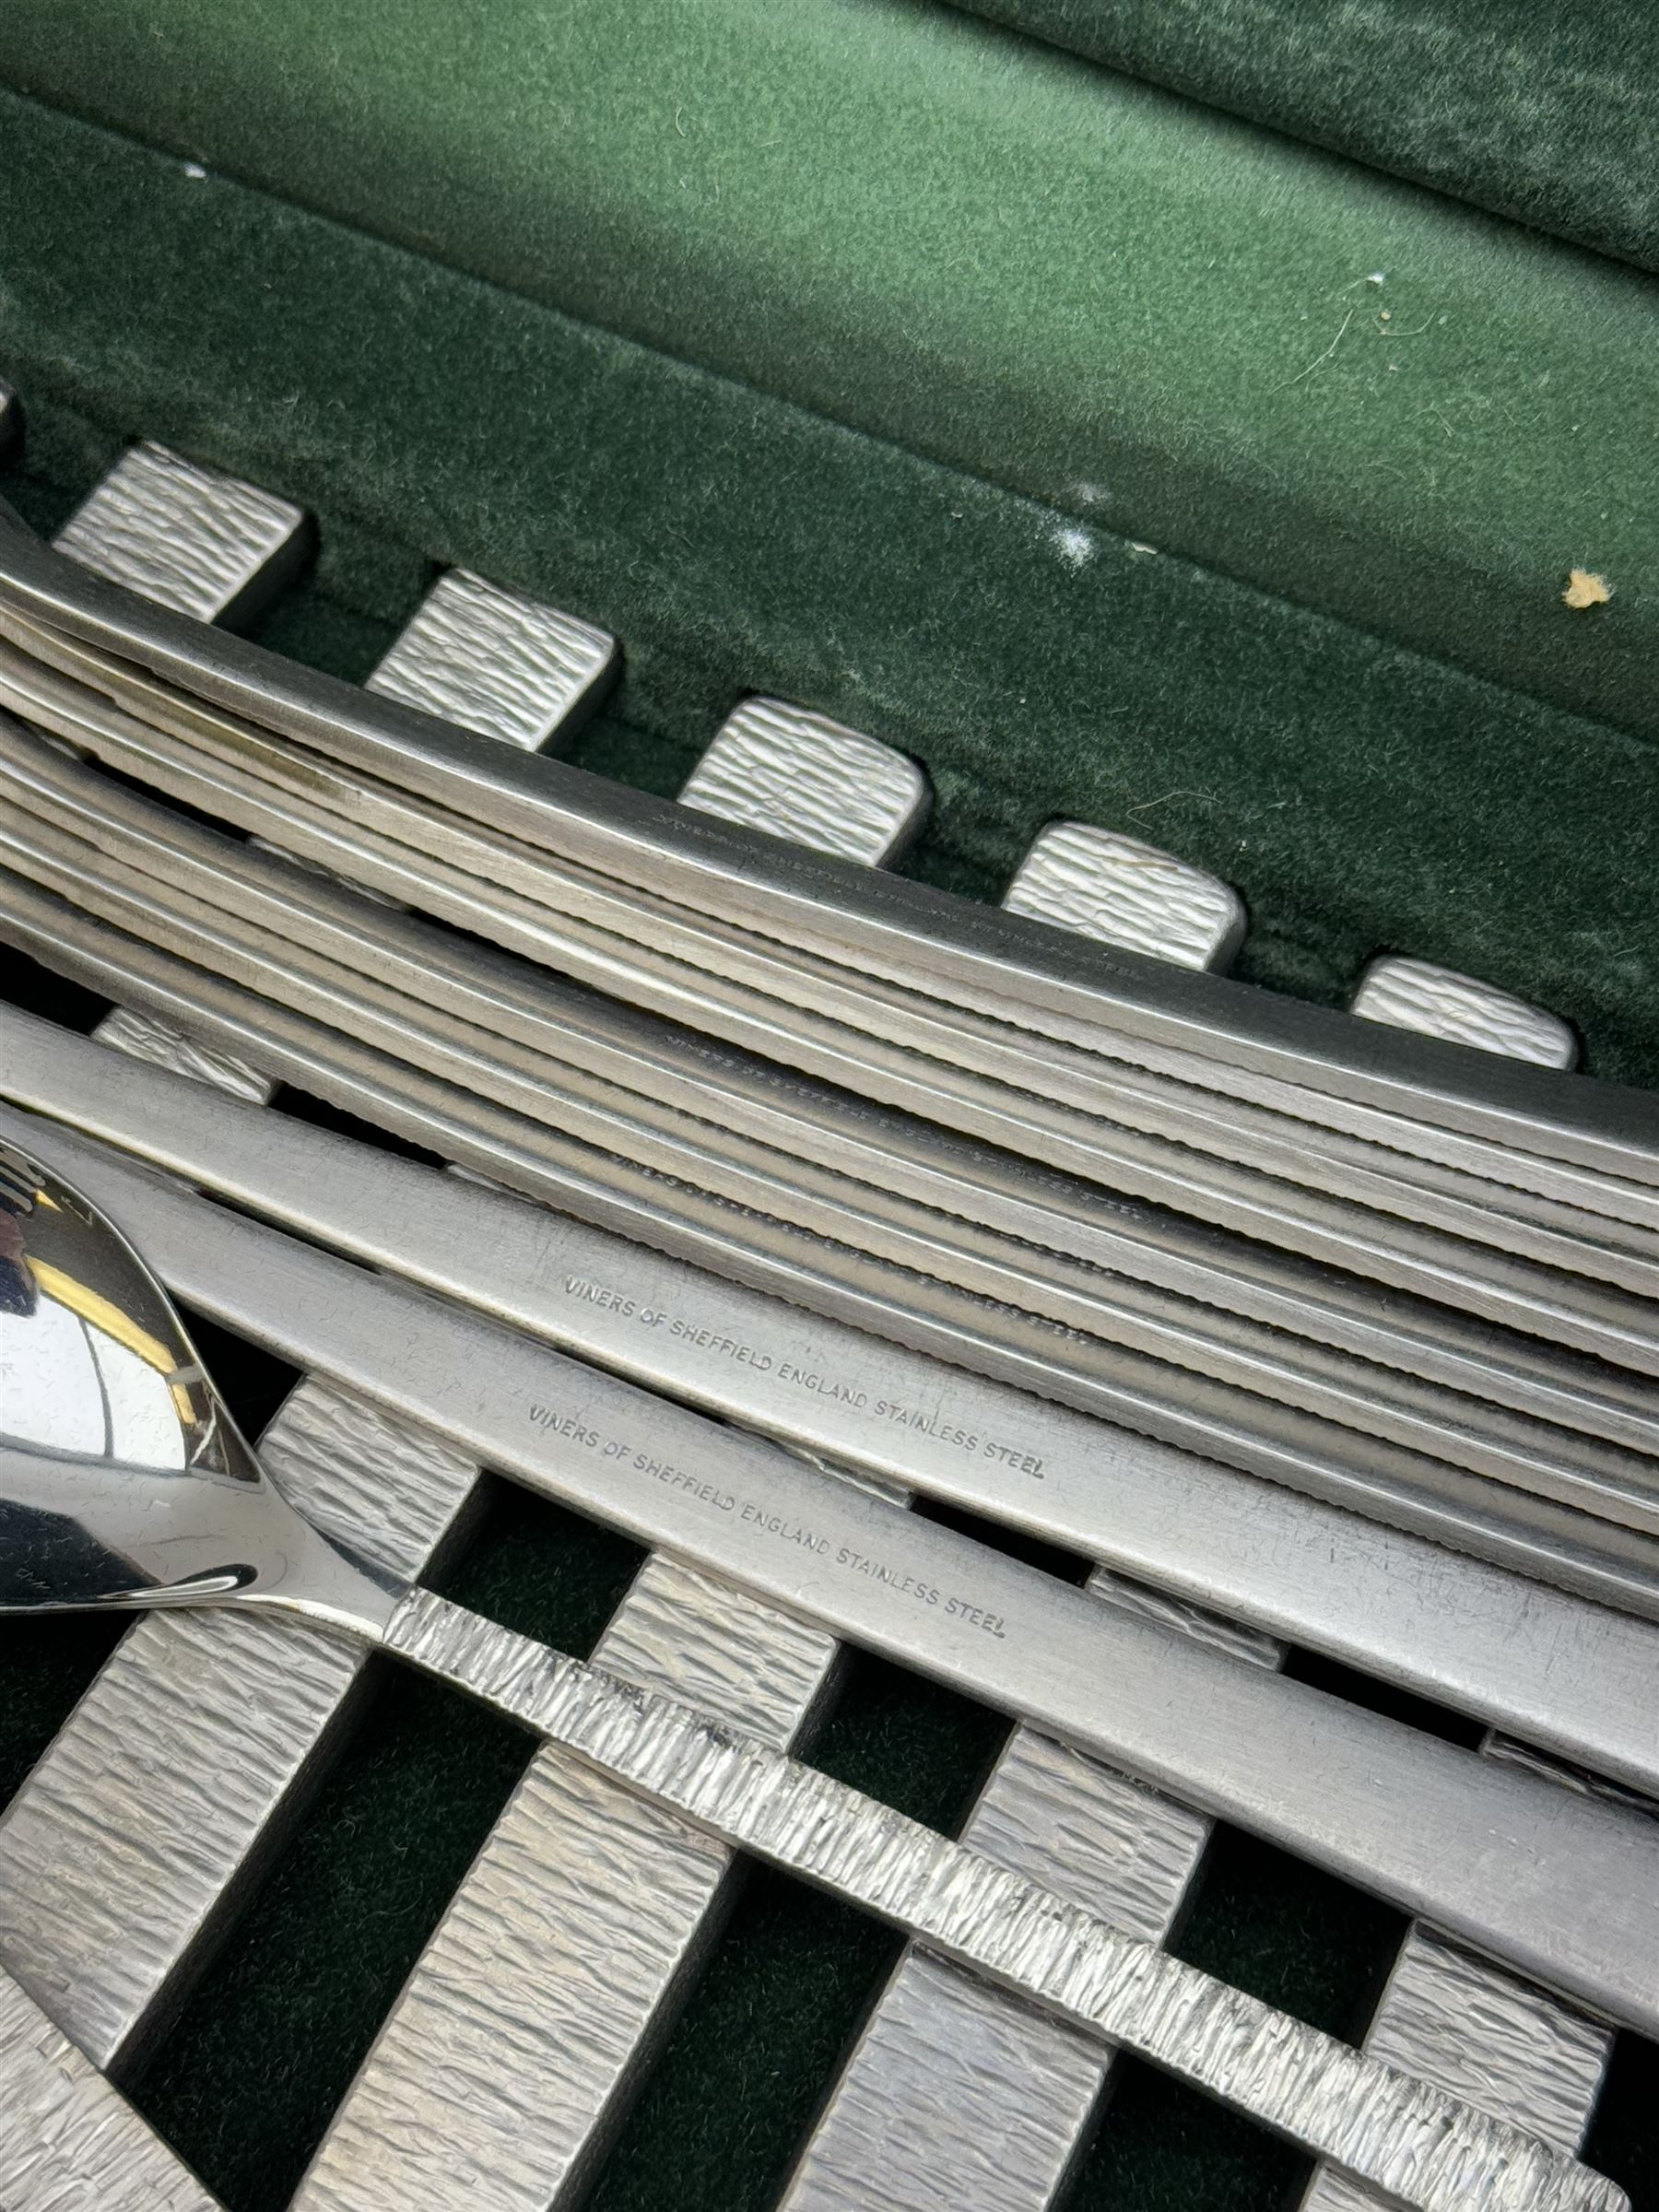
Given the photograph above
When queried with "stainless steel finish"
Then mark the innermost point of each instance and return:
(1116, 888)
(801, 776)
(494, 662)
(832, 1222)
(1515, 2054)
(208, 544)
(1454, 2021)
(757, 1643)
(186, 537)
(68, 2141)
(424, 966)
(557, 1967)
(1558, 1544)
(1336, 1184)
(142, 1038)
(1084, 2063)
(469, 2129)
(1338, 1196)
(1067, 1760)
(1578, 1677)
(206, 899)
(126, 1481)
(126, 1849)
(659, 1894)
(1400, 2136)
(112, 1894)
(498, 2077)
(954, 2094)
(1460, 2025)
(1414, 995)
(1419, 2147)
(1566, 1888)
(1240, 1043)
(212, 901)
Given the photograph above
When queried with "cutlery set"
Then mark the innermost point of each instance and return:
(784, 1193)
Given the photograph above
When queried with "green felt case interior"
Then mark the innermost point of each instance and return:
(1160, 322)
(1361, 795)
(1545, 113)
(1043, 424)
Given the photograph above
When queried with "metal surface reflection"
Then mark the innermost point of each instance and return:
(80, 1526)
(91, 1360)
(123, 1478)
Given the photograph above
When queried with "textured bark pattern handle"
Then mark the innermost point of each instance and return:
(1408, 2142)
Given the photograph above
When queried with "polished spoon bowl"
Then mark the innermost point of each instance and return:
(125, 1482)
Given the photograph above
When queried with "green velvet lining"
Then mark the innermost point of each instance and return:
(1158, 320)
(1361, 798)
(1361, 795)
(1545, 114)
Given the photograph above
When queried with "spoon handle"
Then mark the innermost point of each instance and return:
(1411, 2143)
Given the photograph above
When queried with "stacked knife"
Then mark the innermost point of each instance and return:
(1339, 1333)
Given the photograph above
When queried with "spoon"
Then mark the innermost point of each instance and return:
(125, 1482)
